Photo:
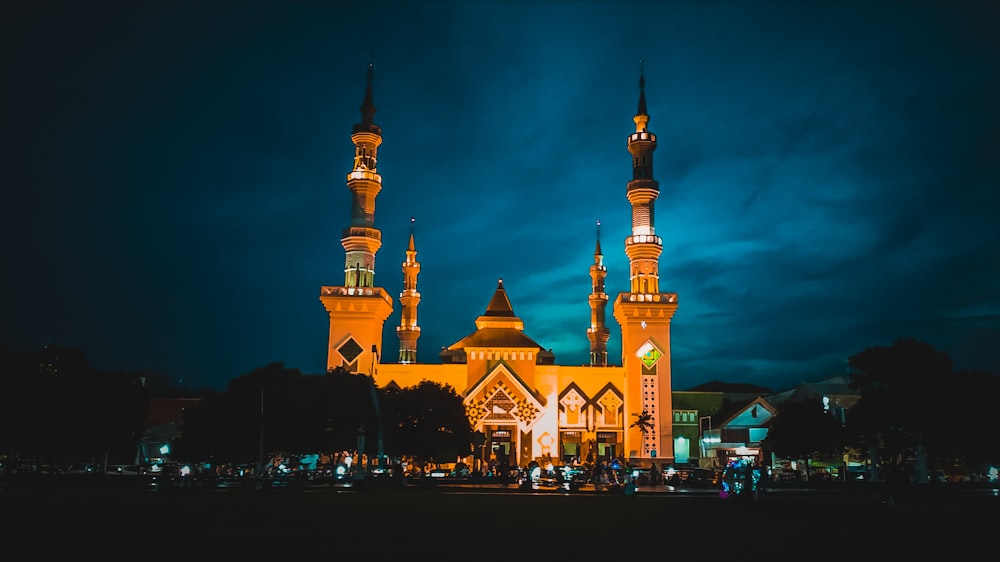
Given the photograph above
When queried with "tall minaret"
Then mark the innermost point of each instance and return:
(408, 330)
(644, 312)
(358, 309)
(598, 331)
(362, 240)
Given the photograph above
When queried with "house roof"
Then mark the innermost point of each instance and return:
(838, 387)
(750, 413)
(495, 337)
(731, 388)
(163, 411)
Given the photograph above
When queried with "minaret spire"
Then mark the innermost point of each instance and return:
(643, 247)
(368, 105)
(362, 240)
(598, 332)
(408, 331)
(642, 91)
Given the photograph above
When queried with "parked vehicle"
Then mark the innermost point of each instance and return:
(124, 470)
(81, 469)
(702, 478)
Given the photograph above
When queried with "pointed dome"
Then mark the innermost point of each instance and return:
(367, 124)
(641, 118)
(500, 304)
(497, 328)
(597, 249)
(642, 93)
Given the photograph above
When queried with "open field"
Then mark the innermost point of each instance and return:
(453, 524)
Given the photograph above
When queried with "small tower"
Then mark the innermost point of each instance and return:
(358, 309)
(408, 331)
(598, 331)
(644, 312)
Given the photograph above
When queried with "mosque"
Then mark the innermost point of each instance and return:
(527, 406)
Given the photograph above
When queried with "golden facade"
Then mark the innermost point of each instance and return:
(528, 407)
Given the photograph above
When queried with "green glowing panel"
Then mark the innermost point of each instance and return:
(651, 356)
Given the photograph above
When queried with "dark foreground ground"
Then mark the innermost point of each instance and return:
(478, 525)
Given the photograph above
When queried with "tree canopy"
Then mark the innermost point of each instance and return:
(915, 408)
(802, 429)
(279, 410)
(57, 409)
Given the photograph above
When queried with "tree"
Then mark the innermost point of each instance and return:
(899, 386)
(288, 411)
(963, 439)
(803, 430)
(427, 421)
(56, 409)
(644, 421)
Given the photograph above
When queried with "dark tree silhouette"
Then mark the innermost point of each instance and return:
(427, 421)
(900, 387)
(803, 430)
(56, 409)
(644, 421)
(281, 410)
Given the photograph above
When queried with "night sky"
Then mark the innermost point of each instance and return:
(174, 176)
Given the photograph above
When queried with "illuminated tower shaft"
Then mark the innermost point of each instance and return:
(644, 312)
(358, 309)
(408, 331)
(598, 332)
(643, 247)
(362, 240)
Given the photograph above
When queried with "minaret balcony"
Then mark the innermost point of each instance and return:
(642, 191)
(666, 298)
(644, 239)
(361, 232)
(364, 175)
(643, 136)
(339, 291)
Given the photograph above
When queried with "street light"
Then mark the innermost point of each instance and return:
(378, 410)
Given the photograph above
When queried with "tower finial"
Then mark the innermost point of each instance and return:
(368, 105)
(642, 89)
(597, 250)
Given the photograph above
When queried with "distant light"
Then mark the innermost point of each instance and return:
(165, 449)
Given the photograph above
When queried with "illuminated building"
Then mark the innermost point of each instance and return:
(528, 407)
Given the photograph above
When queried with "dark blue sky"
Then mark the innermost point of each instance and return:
(174, 175)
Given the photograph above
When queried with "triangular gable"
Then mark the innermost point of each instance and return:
(572, 406)
(501, 397)
(572, 386)
(755, 413)
(607, 390)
